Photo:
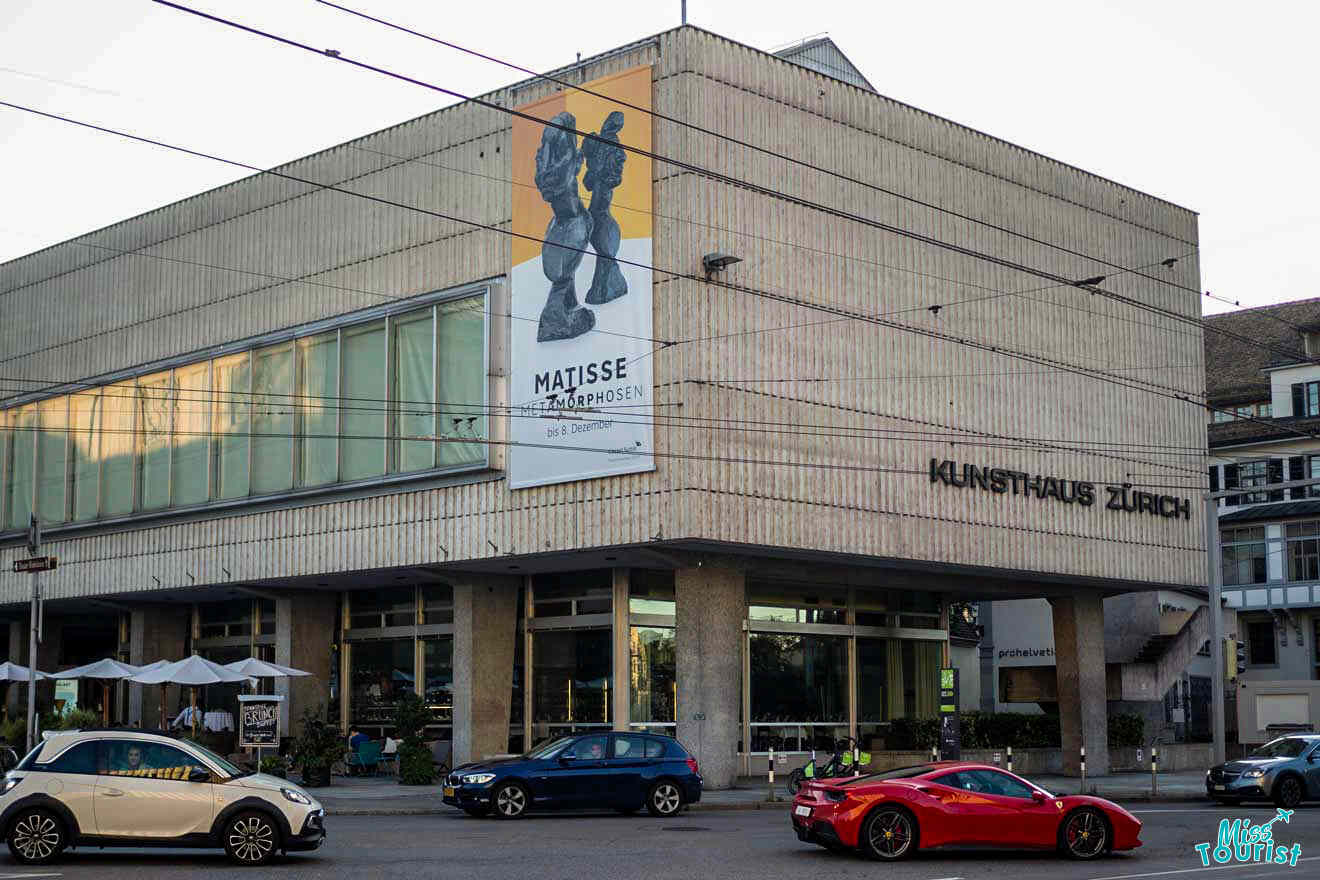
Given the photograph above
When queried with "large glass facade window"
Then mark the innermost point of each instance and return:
(652, 674)
(460, 388)
(272, 419)
(572, 683)
(233, 425)
(414, 381)
(897, 678)
(438, 604)
(52, 443)
(117, 426)
(382, 671)
(438, 663)
(318, 409)
(797, 604)
(192, 435)
(305, 413)
(363, 381)
(153, 424)
(799, 690)
(373, 609)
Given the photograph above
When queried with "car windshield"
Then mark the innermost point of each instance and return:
(1281, 748)
(545, 750)
(225, 767)
(899, 773)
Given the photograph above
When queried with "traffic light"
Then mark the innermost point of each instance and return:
(1235, 658)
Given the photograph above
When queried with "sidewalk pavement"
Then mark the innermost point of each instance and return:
(383, 796)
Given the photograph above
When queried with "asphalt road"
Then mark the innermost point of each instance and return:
(756, 845)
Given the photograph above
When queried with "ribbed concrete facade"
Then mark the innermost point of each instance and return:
(266, 254)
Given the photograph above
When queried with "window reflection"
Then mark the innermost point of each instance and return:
(652, 675)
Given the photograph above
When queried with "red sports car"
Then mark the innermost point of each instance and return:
(952, 803)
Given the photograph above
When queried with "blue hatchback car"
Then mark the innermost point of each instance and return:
(1285, 770)
(619, 771)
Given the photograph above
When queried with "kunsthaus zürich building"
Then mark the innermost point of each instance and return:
(586, 417)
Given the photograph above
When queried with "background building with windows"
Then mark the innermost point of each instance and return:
(276, 418)
(1266, 430)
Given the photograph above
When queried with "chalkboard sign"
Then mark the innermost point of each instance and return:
(259, 721)
(950, 730)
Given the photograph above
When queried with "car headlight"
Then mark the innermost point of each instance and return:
(1208, 773)
(296, 796)
(478, 778)
(10, 782)
(1254, 774)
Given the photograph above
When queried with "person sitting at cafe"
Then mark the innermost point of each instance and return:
(356, 738)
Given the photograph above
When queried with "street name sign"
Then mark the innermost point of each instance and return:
(36, 563)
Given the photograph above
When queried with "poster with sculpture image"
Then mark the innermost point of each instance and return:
(580, 343)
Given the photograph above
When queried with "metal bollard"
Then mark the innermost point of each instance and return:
(857, 761)
(1154, 768)
(934, 753)
(770, 795)
(1010, 759)
(1083, 789)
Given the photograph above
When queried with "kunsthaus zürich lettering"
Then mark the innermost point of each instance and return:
(1002, 481)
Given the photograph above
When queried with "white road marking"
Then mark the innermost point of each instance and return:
(1239, 866)
(1199, 810)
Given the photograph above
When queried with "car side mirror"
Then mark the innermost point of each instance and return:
(1038, 797)
(197, 774)
(567, 758)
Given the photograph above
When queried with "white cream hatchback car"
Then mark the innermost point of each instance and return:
(129, 788)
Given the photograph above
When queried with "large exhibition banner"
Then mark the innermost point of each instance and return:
(580, 383)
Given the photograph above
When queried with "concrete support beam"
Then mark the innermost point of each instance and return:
(1079, 658)
(155, 633)
(304, 636)
(485, 626)
(709, 614)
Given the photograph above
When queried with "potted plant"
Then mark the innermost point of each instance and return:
(415, 766)
(317, 748)
(275, 765)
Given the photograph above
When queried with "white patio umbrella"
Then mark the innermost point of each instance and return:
(12, 672)
(192, 672)
(105, 671)
(255, 668)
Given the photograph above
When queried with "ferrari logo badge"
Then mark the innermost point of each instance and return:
(1059, 804)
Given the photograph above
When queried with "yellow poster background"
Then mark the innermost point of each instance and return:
(631, 206)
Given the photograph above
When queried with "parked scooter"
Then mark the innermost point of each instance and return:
(839, 764)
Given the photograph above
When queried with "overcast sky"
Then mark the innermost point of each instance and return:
(1206, 104)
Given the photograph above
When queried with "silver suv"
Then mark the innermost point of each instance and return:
(130, 788)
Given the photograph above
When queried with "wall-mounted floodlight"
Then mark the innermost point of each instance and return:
(718, 262)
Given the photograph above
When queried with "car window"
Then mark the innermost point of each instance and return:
(589, 748)
(952, 780)
(629, 747)
(149, 759)
(655, 748)
(1281, 748)
(994, 782)
(82, 758)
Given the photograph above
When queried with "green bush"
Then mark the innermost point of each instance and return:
(980, 730)
(317, 747)
(1126, 729)
(14, 733)
(73, 719)
(410, 719)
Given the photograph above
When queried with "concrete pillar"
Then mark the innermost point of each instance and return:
(304, 637)
(621, 686)
(710, 609)
(485, 626)
(155, 633)
(1079, 661)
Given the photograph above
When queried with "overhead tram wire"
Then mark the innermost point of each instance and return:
(756, 147)
(1154, 387)
(293, 403)
(1090, 285)
(429, 438)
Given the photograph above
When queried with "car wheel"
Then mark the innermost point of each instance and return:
(1085, 834)
(36, 837)
(889, 834)
(251, 839)
(477, 812)
(1288, 792)
(664, 799)
(510, 800)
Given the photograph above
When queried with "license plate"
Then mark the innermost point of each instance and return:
(802, 811)
(1220, 787)
(449, 791)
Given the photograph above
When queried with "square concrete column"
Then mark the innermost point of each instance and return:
(711, 606)
(485, 626)
(304, 636)
(155, 634)
(1079, 662)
